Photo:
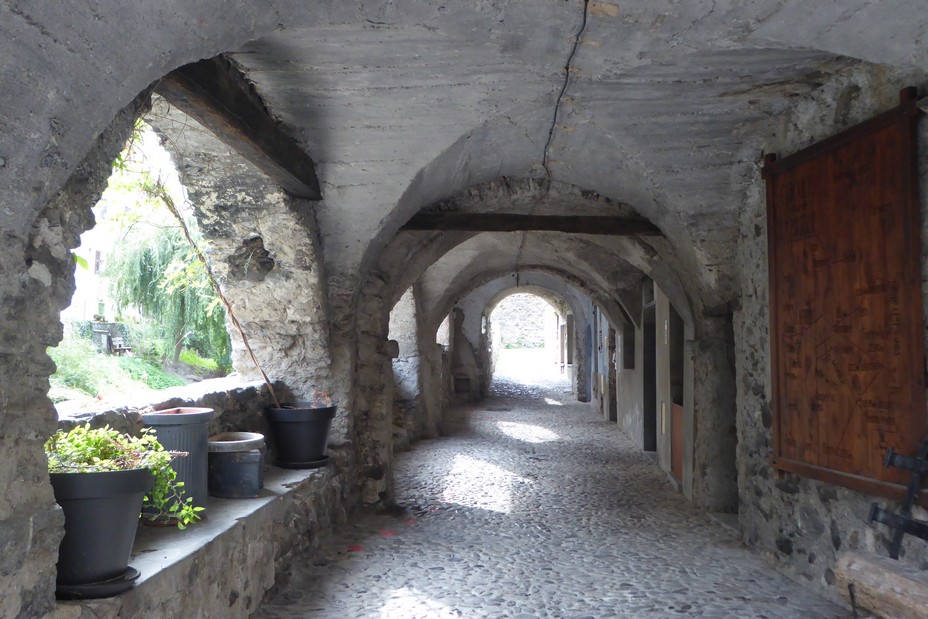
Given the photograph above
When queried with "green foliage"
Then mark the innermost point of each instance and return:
(83, 449)
(191, 358)
(80, 261)
(148, 373)
(146, 339)
(81, 367)
(161, 276)
(153, 267)
(82, 328)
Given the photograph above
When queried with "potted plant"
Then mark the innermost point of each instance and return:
(101, 478)
(300, 431)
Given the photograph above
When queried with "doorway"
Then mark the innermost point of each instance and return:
(649, 377)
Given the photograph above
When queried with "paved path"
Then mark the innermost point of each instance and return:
(535, 507)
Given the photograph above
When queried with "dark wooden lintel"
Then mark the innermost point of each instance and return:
(216, 94)
(505, 222)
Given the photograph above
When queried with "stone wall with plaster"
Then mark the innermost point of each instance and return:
(520, 319)
(263, 247)
(36, 283)
(406, 390)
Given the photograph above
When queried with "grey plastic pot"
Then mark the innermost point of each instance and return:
(101, 513)
(185, 429)
(236, 465)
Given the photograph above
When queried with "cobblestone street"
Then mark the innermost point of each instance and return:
(533, 506)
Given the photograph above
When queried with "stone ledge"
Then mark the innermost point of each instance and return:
(224, 565)
(238, 406)
(883, 585)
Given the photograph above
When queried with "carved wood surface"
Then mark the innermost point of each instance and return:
(846, 304)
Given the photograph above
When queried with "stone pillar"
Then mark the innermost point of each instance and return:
(407, 421)
(36, 283)
(373, 413)
(715, 440)
(264, 250)
(431, 383)
(465, 369)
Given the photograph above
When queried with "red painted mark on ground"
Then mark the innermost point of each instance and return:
(355, 548)
(387, 533)
(410, 521)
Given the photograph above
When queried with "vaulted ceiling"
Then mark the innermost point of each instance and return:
(658, 110)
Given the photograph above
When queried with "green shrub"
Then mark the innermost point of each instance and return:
(82, 329)
(193, 359)
(148, 373)
(81, 366)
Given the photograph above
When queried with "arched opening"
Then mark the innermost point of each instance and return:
(525, 337)
(144, 315)
(406, 372)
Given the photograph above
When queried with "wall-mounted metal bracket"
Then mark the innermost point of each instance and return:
(903, 522)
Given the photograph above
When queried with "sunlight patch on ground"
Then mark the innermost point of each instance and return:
(527, 432)
(480, 484)
(406, 602)
(553, 402)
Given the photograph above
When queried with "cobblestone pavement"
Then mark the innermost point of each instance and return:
(534, 506)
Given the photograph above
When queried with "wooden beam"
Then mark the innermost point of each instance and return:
(216, 94)
(505, 222)
(882, 585)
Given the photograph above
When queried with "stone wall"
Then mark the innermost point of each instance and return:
(36, 283)
(520, 320)
(233, 560)
(406, 393)
(630, 384)
(801, 522)
(238, 406)
(264, 252)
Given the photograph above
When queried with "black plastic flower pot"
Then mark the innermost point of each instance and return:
(301, 433)
(101, 516)
(236, 465)
(184, 429)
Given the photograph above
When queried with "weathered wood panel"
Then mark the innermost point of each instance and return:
(507, 222)
(846, 304)
(216, 94)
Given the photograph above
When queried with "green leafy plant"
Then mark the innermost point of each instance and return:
(81, 367)
(84, 449)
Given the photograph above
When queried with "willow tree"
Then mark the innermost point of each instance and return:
(153, 267)
(159, 275)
